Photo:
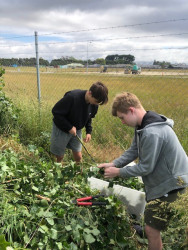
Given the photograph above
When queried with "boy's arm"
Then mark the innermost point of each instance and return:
(151, 148)
(88, 125)
(60, 111)
(150, 152)
(128, 156)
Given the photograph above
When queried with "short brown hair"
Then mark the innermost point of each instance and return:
(123, 101)
(100, 92)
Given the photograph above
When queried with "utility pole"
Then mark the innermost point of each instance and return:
(37, 65)
(87, 57)
(87, 54)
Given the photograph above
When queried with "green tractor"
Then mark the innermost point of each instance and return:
(132, 69)
(136, 70)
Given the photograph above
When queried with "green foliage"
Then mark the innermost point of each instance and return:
(31, 223)
(163, 64)
(22, 61)
(100, 61)
(43, 141)
(2, 84)
(178, 224)
(119, 59)
(3, 243)
(8, 111)
(65, 60)
(28, 222)
(32, 125)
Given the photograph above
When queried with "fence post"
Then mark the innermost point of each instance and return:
(87, 57)
(37, 65)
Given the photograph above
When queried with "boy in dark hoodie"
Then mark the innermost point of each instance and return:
(73, 112)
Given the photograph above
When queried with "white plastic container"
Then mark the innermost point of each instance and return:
(133, 199)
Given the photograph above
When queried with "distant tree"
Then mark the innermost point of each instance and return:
(43, 62)
(64, 60)
(100, 61)
(119, 59)
(163, 64)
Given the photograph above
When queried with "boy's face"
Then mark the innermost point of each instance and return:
(128, 118)
(91, 99)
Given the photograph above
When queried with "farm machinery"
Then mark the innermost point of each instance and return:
(103, 69)
(132, 69)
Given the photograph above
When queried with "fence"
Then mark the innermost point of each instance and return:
(162, 90)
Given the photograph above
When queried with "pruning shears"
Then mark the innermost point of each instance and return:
(87, 201)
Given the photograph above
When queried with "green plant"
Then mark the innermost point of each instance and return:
(176, 237)
(3, 243)
(8, 111)
(57, 223)
(2, 84)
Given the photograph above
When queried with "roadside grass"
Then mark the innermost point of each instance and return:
(165, 95)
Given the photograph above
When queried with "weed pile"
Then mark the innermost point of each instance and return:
(54, 222)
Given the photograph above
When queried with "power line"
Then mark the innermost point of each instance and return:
(115, 27)
(102, 28)
(96, 51)
(16, 37)
(23, 45)
(16, 53)
(120, 38)
(104, 39)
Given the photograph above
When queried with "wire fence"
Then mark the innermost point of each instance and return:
(164, 90)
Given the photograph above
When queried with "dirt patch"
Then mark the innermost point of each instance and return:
(155, 73)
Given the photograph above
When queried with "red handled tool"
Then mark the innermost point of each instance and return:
(87, 201)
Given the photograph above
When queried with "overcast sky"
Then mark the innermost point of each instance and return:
(149, 30)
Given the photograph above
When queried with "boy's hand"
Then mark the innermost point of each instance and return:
(73, 131)
(110, 170)
(106, 165)
(88, 138)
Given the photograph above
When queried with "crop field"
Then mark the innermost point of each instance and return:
(165, 92)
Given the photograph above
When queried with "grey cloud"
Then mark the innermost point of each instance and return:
(53, 16)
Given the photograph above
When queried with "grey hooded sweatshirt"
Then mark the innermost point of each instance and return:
(163, 163)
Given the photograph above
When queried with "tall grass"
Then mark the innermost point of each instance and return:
(166, 95)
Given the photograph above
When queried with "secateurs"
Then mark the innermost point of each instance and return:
(87, 201)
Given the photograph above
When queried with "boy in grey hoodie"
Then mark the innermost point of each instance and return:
(163, 163)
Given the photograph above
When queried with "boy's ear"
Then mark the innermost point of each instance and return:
(132, 109)
(90, 93)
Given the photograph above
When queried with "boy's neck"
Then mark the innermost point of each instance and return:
(141, 114)
(87, 96)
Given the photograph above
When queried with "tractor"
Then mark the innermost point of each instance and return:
(132, 69)
(103, 69)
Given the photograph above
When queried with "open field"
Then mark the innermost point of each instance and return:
(165, 94)
(48, 70)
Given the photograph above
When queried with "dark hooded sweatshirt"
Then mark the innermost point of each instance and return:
(72, 110)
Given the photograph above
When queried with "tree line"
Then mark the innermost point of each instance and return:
(109, 60)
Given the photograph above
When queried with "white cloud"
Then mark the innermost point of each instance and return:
(143, 25)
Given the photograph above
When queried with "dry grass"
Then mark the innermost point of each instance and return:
(101, 153)
(11, 144)
(166, 95)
